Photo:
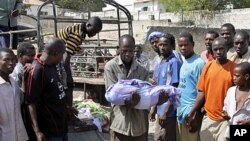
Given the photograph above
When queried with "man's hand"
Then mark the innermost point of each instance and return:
(40, 136)
(244, 122)
(26, 69)
(225, 115)
(152, 114)
(163, 119)
(135, 99)
(163, 97)
(152, 81)
(72, 112)
(14, 13)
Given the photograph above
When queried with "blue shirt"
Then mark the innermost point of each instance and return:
(168, 74)
(189, 76)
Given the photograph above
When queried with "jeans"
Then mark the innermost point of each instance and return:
(5, 39)
(63, 138)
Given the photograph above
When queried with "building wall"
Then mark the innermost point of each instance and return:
(151, 6)
(32, 10)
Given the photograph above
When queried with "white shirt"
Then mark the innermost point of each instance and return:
(11, 123)
(230, 107)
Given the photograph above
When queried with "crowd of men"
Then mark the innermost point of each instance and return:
(214, 86)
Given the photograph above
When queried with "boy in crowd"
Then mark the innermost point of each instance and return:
(25, 54)
(189, 75)
(11, 122)
(140, 57)
(212, 94)
(227, 31)
(207, 55)
(73, 36)
(237, 102)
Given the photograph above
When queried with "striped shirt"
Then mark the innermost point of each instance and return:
(73, 37)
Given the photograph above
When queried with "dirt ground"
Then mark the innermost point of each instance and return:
(78, 94)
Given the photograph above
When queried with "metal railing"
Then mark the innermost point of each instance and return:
(11, 33)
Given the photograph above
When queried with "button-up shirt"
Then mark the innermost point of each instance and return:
(126, 121)
(236, 59)
(11, 123)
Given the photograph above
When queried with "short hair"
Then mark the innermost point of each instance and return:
(187, 35)
(155, 34)
(139, 46)
(243, 33)
(54, 45)
(96, 22)
(220, 39)
(6, 50)
(244, 67)
(23, 48)
(128, 37)
(170, 37)
(216, 34)
(230, 26)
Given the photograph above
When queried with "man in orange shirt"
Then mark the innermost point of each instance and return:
(215, 79)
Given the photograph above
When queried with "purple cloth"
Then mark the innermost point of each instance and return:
(117, 93)
(154, 35)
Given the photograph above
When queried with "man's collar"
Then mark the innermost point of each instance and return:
(120, 60)
(133, 65)
(2, 81)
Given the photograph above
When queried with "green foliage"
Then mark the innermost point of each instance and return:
(189, 5)
(81, 5)
(240, 4)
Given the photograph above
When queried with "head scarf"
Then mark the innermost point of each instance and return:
(154, 35)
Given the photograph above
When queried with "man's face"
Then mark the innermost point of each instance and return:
(240, 44)
(57, 58)
(164, 46)
(126, 51)
(91, 31)
(154, 44)
(137, 52)
(7, 62)
(238, 78)
(29, 56)
(219, 50)
(185, 46)
(227, 34)
(209, 38)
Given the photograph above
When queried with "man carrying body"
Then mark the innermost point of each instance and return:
(127, 123)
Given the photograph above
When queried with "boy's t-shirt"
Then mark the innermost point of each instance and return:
(214, 81)
(189, 75)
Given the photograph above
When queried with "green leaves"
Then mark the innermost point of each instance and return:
(189, 5)
(81, 5)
